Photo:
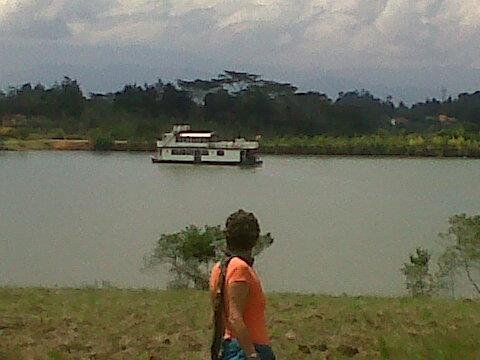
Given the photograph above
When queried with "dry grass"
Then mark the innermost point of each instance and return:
(127, 324)
(71, 145)
(18, 145)
(45, 144)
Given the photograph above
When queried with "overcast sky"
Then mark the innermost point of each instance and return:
(407, 48)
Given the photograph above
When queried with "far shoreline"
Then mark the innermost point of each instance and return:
(446, 152)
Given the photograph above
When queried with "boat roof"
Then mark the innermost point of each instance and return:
(196, 134)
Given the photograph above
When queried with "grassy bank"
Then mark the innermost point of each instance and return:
(368, 145)
(59, 144)
(44, 144)
(379, 145)
(126, 324)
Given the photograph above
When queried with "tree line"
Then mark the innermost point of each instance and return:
(234, 103)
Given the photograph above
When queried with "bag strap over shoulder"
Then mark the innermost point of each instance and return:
(218, 310)
(219, 306)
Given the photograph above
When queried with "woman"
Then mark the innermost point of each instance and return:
(237, 295)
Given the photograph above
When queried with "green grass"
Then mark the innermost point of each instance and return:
(53, 144)
(376, 144)
(128, 324)
(17, 144)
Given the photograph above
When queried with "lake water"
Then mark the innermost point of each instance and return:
(341, 225)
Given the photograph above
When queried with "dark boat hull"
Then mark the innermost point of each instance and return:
(159, 161)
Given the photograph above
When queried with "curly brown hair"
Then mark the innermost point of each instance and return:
(242, 230)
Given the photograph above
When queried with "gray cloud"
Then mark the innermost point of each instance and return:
(288, 39)
(50, 19)
(28, 22)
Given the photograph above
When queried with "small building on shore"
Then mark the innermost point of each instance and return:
(397, 121)
(446, 120)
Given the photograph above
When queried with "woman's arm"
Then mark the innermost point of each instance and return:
(237, 298)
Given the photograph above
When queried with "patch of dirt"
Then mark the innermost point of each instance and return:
(71, 145)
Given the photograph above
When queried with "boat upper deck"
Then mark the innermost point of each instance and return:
(237, 144)
(182, 136)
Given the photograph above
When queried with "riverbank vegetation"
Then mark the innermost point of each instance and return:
(175, 324)
(440, 144)
(430, 145)
(459, 259)
(242, 104)
(191, 253)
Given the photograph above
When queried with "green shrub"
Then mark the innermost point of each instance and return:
(35, 136)
(101, 140)
(462, 255)
(191, 253)
(56, 133)
(417, 275)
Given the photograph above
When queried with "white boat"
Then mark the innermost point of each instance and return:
(182, 145)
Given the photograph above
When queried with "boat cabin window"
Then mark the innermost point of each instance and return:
(204, 152)
(190, 139)
(220, 153)
(183, 152)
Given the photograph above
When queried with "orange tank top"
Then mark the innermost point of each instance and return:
(254, 316)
